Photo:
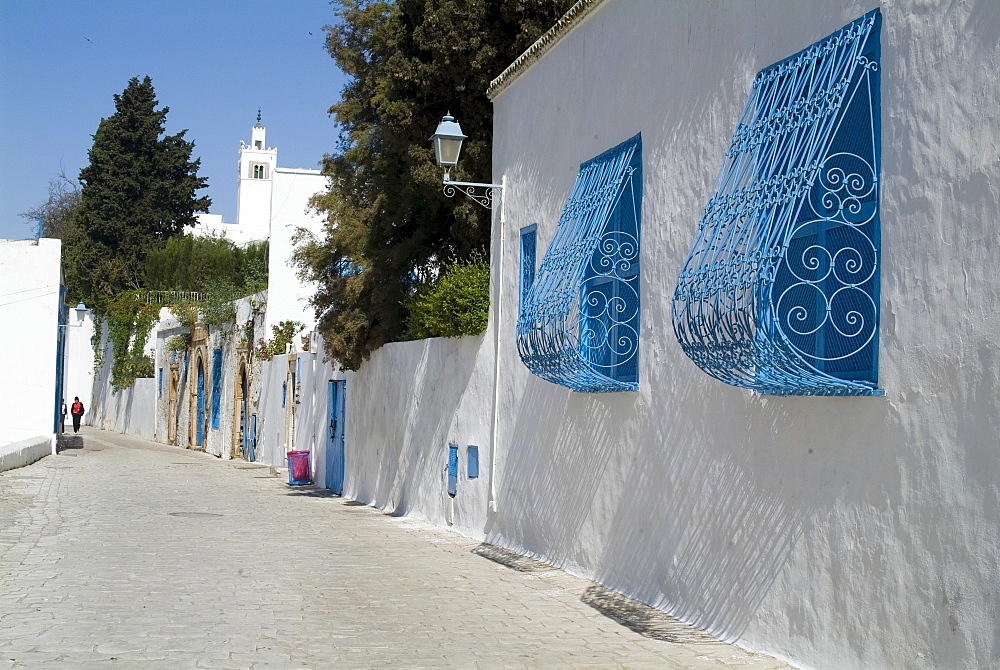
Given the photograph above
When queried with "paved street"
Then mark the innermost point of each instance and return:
(122, 553)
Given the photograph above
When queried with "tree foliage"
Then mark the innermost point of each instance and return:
(388, 225)
(454, 304)
(58, 210)
(139, 190)
(189, 263)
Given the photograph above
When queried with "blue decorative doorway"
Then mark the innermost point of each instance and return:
(335, 437)
(200, 417)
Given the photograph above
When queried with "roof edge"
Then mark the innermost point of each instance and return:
(569, 20)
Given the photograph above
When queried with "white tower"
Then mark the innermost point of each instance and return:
(253, 203)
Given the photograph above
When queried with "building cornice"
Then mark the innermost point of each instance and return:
(569, 20)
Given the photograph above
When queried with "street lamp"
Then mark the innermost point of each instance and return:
(81, 314)
(447, 141)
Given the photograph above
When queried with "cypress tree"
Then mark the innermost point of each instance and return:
(139, 190)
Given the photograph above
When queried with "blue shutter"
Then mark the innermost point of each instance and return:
(216, 387)
(780, 291)
(472, 461)
(452, 470)
(528, 261)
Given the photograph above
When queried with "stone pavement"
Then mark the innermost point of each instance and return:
(122, 553)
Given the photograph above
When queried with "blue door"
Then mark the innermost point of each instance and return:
(200, 418)
(335, 438)
(251, 454)
(244, 432)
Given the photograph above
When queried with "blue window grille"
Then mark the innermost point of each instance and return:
(780, 291)
(579, 321)
(216, 387)
(452, 470)
(472, 461)
(528, 260)
(284, 393)
(159, 383)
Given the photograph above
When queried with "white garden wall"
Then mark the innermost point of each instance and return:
(837, 532)
(404, 408)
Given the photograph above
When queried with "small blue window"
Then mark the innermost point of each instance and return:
(284, 393)
(159, 383)
(452, 470)
(472, 461)
(528, 256)
(216, 387)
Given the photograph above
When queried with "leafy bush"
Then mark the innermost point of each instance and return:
(283, 334)
(456, 303)
(130, 321)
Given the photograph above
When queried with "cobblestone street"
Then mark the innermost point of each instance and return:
(122, 553)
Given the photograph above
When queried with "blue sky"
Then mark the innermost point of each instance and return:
(212, 62)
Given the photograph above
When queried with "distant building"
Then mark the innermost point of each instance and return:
(272, 203)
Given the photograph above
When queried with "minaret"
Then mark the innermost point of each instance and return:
(253, 203)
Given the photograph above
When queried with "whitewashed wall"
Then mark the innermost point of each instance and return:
(78, 365)
(289, 211)
(29, 316)
(131, 410)
(837, 532)
(404, 407)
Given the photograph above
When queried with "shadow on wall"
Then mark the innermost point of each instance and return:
(398, 419)
(694, 512)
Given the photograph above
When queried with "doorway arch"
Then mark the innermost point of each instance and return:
(200, 407)
(241, 411)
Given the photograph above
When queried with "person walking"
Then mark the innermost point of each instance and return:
(77, 411)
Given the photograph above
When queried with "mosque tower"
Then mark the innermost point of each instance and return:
(253, 202)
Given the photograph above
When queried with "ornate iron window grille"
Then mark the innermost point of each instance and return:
(579, 321)
(780, 292)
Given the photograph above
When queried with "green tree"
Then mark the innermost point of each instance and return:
(139, 190)
(388, 225)
(58, 210)
(188, 263)
(454, 304)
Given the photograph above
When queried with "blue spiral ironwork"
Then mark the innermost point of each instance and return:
(780, 291)
(579, 321)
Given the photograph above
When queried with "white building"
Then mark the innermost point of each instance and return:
(30, 344)
(272, 204)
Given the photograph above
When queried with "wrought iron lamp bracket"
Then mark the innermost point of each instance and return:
(469, 189)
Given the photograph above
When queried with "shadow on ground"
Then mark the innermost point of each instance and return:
(511, 559)
(309, 491)
(634, 615)
(70, 441)
(641, 618)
